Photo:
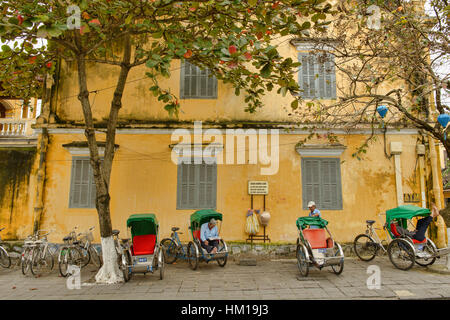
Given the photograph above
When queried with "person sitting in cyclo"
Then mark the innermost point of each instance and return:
(209, 236)
(314, 212)
(421, 227)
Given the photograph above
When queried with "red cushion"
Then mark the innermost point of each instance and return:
(196, 234)
(417, 241)
(394, 230)
(317, 238)
(144, 244)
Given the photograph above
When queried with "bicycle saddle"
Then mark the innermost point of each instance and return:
(68, 238)
(76, 242)
(115, 232)
(370, 222)
(175, 229)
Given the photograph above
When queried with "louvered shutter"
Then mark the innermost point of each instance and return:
(82, 185)
(317, 76)
(196, 187)
(321, 183)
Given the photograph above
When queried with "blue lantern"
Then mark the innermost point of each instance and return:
(443, 119)
(382, 110)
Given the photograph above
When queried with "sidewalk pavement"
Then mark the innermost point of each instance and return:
(272, 279)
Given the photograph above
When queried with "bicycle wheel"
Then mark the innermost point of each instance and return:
(125, 262)
(169, 247)
(26, 260)
(41, 262)
(365, 248)
(63, 261)
(5, 259)
(222, 261)
(69, 256)
(192, 253)
(401, 254)
(302, 260)
(338, 268)
(95, 257)
(427, 256)
(85, 256)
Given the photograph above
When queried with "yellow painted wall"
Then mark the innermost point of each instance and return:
(144, 180)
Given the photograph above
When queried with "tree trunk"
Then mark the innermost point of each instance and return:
(109, 272)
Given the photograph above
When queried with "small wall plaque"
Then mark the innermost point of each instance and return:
(258, 187)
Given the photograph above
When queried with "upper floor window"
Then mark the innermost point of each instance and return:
(317, 75)
(196, 83)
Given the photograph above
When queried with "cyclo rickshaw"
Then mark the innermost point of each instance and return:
(403, 250)
(195, 252)
(316, 247)
(144, 254)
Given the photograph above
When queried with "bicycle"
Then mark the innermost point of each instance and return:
(368, 245)
(71, 254)
(42, 259)
(123, 254)
(27, 253)
(172, 247)
(88, 250)
(5, 259)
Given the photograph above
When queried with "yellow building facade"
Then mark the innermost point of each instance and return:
(148, 178)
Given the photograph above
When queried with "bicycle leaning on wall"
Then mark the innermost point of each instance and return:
(5, 259)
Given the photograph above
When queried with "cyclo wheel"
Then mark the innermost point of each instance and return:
(365, 248)
(338, 268)
(429, 249)
(302, 260)
(161, 266)
(192, 255)
(169, 248)
(5, 259)
(401, 254)
(125, 262)
(222, 261)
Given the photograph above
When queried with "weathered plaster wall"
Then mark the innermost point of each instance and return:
(16, 197)
(144, 180)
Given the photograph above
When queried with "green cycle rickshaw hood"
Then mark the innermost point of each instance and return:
(303, 222)
(202, 216)
(143, 223)
(406, 212)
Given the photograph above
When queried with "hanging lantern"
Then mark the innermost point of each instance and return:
(443, 120)
(382, 110)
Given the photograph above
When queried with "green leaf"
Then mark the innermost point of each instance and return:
(294, 104)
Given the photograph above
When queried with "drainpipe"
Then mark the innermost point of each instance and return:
(421, 153)
(396, 151)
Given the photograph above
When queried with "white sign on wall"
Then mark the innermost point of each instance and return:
(258, 187)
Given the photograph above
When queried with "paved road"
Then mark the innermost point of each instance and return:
(274, 279)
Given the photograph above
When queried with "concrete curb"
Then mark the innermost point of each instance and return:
(439, 269)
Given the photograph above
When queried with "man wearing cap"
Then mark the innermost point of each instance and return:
(209, 235)
(314, 212)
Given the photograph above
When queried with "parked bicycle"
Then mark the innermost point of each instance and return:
(368, 245)
(5, 259)
(27, 253)
(71, 254)
(41, 257)
(89, 252)
(172, 247)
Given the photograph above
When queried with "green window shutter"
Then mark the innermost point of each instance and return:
(196, 83)
(321, 183)
(82, 185)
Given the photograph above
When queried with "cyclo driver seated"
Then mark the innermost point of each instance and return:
(421, 227)
(209, 236)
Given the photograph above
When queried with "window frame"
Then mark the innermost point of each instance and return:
(198, 95)
(90, 184)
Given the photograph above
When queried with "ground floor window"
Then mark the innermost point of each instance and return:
(82, 185)
(321, 183)
(196, 185)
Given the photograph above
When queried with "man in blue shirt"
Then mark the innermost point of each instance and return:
(314, 212)
(209, 236)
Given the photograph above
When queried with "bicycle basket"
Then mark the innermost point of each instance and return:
(87, 236)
